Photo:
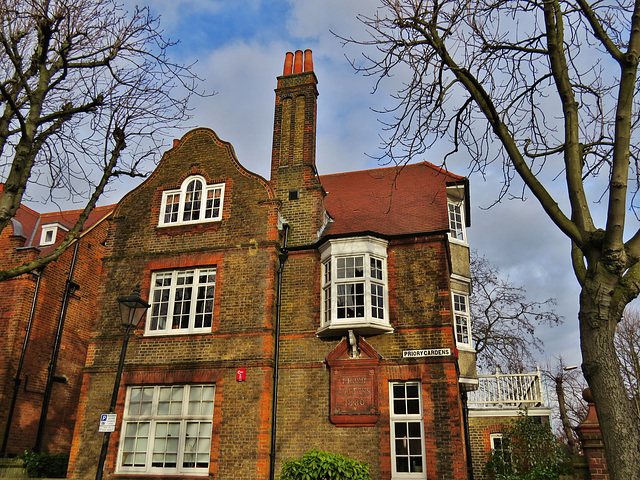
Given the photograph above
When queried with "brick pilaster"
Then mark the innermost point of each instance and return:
(591, 438)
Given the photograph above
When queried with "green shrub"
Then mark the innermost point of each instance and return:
(45, 465)
(318, 465)
(529, 452)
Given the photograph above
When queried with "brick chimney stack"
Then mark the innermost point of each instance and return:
(293, 161)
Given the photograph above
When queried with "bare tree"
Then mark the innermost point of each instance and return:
(548, 90)
(572, 410)
(627, 343)
(87, 93)
(504, 320)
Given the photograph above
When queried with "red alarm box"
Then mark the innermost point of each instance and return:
(241, 374)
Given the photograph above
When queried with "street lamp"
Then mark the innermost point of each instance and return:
(132, 309)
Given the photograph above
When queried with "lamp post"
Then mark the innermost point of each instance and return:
(132, 309)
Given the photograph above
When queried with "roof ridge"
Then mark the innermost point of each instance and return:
(80, 210)
(399, 167)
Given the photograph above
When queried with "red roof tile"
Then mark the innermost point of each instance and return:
(388, 201)
(31, 222)
(69, 218)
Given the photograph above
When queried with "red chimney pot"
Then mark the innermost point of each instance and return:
(297, 64)
(288, 64)
(308, 61)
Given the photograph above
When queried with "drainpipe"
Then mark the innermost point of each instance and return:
(17, 380)
(70, 287)
(282, 257)
(467, 434)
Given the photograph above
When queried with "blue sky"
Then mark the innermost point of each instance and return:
(240, 47)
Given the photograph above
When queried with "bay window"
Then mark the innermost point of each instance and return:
(354, 286)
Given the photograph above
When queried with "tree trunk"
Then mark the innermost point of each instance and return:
(564, 418)
(599, 316)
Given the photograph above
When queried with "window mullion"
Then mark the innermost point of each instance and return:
(150, 444)
(367, 286)
(181, 445)
(184, 416)
(183, 200)
(172, 299)
(334, 289)
(194, 300)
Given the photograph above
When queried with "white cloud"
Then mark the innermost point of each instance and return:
(516, 236)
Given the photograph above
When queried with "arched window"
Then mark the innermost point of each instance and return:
(194, 202)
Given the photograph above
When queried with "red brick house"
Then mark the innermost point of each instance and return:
(299, 312)
(47, 319)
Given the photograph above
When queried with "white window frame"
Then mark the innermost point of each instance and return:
(142, 437)
(337, 258)
(492, 439)
(49, 233)
(461, 319)
(502, 449)
(457, 228)
(179, 198)
(167, 297)
(410, 417)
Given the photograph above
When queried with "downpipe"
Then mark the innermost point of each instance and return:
(282, 257)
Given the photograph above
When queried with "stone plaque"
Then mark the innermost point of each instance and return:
(354, 386)
(354, 391)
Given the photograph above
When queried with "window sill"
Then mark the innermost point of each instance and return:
(340, 329)
(177, 333)
(465, 348)
(195, 222)
(457, 241)
(167, 476)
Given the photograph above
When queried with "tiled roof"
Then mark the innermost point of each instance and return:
(388, 201)
(31, 223)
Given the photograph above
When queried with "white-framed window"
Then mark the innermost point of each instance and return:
(49, 233)
(181, 301)
(407, 431)
(456, 220)
(166, 429)
(462, 318)
(354, 286)
(501, 452)
(496, 441)
(193, 202)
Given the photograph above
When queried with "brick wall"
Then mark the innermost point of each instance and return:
(16, 298)
(420, 315)
(480, 429)
(244, 249)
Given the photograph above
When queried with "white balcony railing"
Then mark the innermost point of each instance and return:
(508, 391)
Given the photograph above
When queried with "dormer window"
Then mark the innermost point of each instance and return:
(194, 202)
(49, 233)
(354, 286)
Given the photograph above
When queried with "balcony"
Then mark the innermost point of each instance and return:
(508, 391)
